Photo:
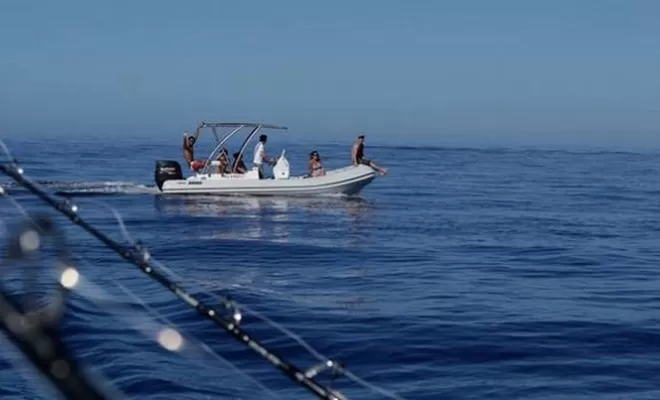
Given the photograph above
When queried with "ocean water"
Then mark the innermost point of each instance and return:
(462, 274)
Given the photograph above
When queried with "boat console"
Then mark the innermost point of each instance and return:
(281, 169)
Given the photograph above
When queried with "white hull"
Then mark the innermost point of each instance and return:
(348, 181)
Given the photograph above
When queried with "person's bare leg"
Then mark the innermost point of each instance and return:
(382, 170)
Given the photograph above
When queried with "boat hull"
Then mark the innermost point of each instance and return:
(345, 181)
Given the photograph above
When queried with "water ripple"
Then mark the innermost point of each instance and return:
(493, 273)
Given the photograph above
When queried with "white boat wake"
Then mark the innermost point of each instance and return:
(105, 188)
(90, 188)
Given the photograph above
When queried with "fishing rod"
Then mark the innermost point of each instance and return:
(166, 335)
(35, 332)
(138, 255)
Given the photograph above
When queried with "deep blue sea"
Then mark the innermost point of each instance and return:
(462, 274)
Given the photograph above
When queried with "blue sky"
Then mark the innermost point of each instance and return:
(438, 72)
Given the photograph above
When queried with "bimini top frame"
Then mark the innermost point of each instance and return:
(256, 127)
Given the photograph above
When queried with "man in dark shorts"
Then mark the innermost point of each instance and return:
(357, 155)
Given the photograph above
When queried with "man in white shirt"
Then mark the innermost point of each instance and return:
(260, 155)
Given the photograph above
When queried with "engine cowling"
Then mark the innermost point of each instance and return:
(167, 170)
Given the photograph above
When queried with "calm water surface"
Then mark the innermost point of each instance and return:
(463, 274)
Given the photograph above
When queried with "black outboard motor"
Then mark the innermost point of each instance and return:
(166, 170)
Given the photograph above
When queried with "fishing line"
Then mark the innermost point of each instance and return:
(139, 256)
(320, 357)
(76, 280)
(201, 344)
(163, 335)
(35, 332)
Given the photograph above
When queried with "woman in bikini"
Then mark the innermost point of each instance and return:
(314, 165)
(223, 162)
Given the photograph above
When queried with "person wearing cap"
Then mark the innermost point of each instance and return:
(357, 156)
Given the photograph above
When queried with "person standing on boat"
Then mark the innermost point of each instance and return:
(357, 156)
(260, 155)
(188, 152)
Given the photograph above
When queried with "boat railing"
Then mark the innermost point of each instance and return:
(218, 148)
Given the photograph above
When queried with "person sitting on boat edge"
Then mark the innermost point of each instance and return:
(260, 155)
(188, 153)
(239, 165)
(314, 166)
(357, 156)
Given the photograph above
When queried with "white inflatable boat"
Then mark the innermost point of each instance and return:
(348, 180)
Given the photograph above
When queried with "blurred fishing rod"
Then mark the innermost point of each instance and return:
(229, 317)
(165, 333)
(36, 332)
